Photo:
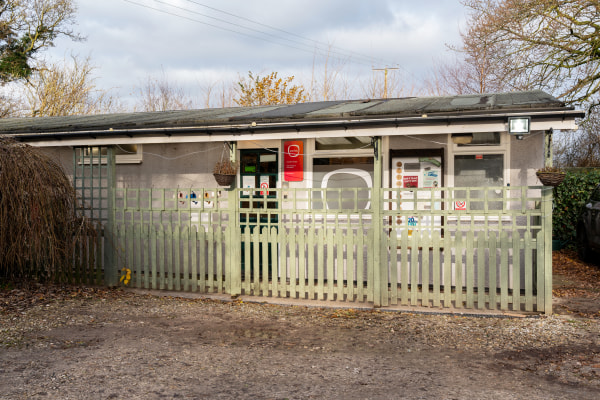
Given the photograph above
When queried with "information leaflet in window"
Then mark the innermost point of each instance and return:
(418, 173)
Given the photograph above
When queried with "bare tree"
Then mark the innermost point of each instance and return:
(580, 148)
(10, 106)
(66, 88)
(218, 94)
(548, 44)
(159, 94)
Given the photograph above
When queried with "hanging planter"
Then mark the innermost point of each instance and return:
(550, 176)
(225, 170)
(224, 179)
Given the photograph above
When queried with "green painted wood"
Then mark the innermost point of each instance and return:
(203, 272)
(210, 259)
(545, 239)
(218, 249)
(138, 255)
(293, 289)
(458, 270)
(255, 270)
(330, 265)
(339, 245)
(176, 267)
(404, 271)
(161, 257)
(541, 272)
(393, 246)
(447, 270)
(470, 270)
(492, 271)
(154, 255)
(310, 265)
(302, 263)
(169, 256)
(370, 268)
(528, 272)
(193, 244)
(282, 279)
(414, 267)
(436, 267)
(425, 241)
(504, 246)
(99, 256)
(480, 270)
(263, 285)
(185, 247)
(360, 266)
(516, 272)
(275, 256)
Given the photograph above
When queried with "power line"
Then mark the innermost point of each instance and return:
(350, 52)
(317, 49)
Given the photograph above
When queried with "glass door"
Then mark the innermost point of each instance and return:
(259, 171)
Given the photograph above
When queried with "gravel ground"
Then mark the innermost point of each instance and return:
(94, 343)
(103, 344)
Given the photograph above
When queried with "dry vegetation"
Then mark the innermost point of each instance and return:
(38, 222)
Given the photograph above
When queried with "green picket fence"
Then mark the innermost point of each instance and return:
(442, 247)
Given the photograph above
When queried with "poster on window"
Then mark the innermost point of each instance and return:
(417, 173)
(293, 161)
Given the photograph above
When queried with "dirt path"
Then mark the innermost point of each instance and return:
(73, 343)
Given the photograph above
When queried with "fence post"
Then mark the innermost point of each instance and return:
(547, 196)
(380, 295)
(233, 254)
(110, 266)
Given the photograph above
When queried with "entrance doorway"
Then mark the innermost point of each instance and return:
(259, 171)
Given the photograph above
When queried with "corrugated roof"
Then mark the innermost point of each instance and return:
(316, 111)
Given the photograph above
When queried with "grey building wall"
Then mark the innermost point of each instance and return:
(526, 156)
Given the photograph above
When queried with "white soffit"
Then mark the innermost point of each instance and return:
(307, 132)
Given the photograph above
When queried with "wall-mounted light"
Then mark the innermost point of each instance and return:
(519, 126)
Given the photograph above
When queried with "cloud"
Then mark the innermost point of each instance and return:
(128, 42)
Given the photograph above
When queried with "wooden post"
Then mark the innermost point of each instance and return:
(548, 148)
(233, 273)
(547, 251)
(111, 277)
(380, 265)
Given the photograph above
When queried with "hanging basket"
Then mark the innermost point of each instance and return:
(224, 180)
(551, 178)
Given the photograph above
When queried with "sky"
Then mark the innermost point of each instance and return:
(197, 44)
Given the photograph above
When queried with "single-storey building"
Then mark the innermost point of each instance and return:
(433, 169)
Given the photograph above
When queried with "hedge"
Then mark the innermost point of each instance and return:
(569, 199)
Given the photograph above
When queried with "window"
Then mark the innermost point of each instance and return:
(344, 172)
(343, 143)
(124, 153)
(476, 139)
(478, 170)
(482, 171)
(259, 169)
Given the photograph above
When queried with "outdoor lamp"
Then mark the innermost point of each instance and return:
(519, 126)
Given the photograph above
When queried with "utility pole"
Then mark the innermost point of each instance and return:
(386, 69)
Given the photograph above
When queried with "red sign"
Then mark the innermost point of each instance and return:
(460, 205)
(263, 185)
(411, 181)
(293, 161)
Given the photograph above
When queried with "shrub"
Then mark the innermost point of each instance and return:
(38, 222)
(569, 199)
